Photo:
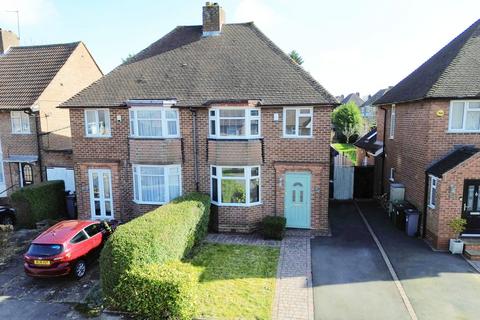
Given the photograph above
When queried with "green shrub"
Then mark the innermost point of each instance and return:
(45, 200)
(274, 227)
(159, 291)
(166, 234)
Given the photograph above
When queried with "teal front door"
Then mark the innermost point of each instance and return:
(297, 199)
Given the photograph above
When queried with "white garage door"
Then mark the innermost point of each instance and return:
(64, 174)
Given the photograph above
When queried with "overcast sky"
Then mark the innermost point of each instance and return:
(348, 46)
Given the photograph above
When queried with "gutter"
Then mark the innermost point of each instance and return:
(424, 216)
(195, 146)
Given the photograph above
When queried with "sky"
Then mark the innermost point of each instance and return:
(348, 46)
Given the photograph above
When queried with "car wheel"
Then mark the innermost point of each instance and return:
(7, 220)
(79, 269)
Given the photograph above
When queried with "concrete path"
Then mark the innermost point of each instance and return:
(439, 285)
(350, 278)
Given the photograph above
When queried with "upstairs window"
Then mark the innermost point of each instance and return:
(97, 123)
(392, 122)
(20, 122)
(147, 122)
(240, 123)
(297, 122)
(464, 116)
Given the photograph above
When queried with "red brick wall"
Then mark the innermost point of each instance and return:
(421, 137)
(280, 155)
(449, 201)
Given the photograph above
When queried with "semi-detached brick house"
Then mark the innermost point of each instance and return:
(430, 126)
(35, 139)
(216, 108)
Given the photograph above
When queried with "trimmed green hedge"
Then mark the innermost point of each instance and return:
(45, 200)
(273, 227)
(158, 237)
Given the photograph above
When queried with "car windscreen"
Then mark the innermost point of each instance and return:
(44, 250)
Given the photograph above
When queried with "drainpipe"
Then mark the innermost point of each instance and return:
(384, 149)
(36, 114)
(424, 216)
(195, 146)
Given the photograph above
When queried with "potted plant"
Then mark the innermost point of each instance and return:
(458, 226)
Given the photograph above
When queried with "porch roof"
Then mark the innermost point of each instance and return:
(451, 160)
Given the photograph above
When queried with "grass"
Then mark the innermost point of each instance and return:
(235, 281)
(348, 149)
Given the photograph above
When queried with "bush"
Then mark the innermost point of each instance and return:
(160, 291)
(166, 234)
(45, 200)
(274, 227)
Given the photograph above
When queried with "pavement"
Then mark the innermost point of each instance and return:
(351, 280)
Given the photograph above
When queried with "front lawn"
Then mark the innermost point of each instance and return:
(235, 281)
(347, 149)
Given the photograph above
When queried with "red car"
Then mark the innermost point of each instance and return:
(65, 248)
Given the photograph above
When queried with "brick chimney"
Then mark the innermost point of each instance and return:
(7, 39)
(213, 19)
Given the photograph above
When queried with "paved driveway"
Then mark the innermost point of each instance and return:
(24, 298)
(351, 280)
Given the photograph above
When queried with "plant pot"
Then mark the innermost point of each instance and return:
(456, 246)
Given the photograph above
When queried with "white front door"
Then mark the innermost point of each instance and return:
(101, 202)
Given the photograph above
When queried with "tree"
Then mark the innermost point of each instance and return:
(347, 120)
(128, 58)
(296, 57)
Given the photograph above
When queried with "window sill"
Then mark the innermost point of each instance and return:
(462, 131)
(431, 206)
(22, 133)
(237, 204)
(149, 203)
(234, 138)
(297, 137)
(99, 137)
(153, 138)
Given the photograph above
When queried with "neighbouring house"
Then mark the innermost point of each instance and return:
(368, 148)
(217, 108)
(35, 138)
(352, 97)
(369, 110)
(430, 126)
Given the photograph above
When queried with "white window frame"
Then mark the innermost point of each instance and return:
(466, 109)
(248, 123)
(97, 121)
(392, 174)
(247, 177)
(137, 198)
(297, 117)
(393, 120)
(432, 184)
(134, 122)
(24, 118)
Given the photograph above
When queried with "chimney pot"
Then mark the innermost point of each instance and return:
(213, 19)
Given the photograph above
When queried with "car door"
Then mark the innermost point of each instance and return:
(95, 235)
(79, 244)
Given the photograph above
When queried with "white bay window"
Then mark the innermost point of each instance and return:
(297, 122)
(153, 122)
(235, 186)
(20, 122)
(464, 116)
(156, 184)
(97, 123)
(240, 123)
